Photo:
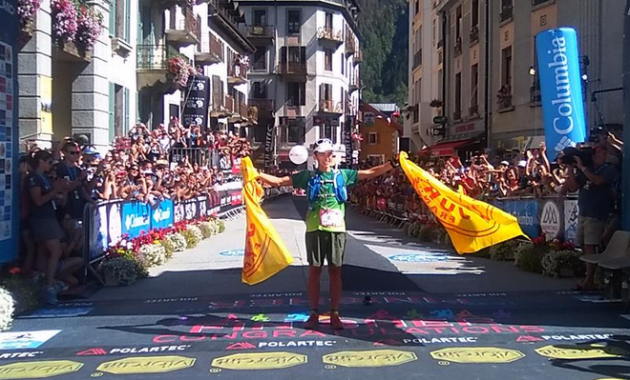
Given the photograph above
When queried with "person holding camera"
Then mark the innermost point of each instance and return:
(595, 201)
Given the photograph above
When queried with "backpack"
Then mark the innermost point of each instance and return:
(315, 184)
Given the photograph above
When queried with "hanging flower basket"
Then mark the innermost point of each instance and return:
(178, 71)
(64, 20)
(89, 25)
(26, 10)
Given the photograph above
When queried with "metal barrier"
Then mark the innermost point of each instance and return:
(201, 156)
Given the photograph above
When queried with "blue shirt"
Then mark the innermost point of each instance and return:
(597, 201)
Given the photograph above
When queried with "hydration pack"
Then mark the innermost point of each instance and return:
(339, 185)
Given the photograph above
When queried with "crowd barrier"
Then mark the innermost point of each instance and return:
(555, 217)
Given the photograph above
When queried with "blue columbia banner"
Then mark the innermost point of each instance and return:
(561, 89)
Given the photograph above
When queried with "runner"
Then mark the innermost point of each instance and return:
(325, 221)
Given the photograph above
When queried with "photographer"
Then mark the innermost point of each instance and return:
(595, 200)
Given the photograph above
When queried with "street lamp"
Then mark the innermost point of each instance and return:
(532, 71)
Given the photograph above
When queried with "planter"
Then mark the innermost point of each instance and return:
(69, 52)
(111, 280)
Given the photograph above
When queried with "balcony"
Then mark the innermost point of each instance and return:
(264, 108)
(457, 48)
(186, 32)
(152, 64)
(440, 44)
(330, 107)
(292, 70)
(354, 84)
(504, 99)
(507, 13)
(230, 104)
(243, 110)
(237, 74)
(330, 35)
(351, 45)
(457, 115)
(535, 96)
(474, 35)
(260, 35)
(417, 59)
(358, 57)
(211, 51)
(252, 113)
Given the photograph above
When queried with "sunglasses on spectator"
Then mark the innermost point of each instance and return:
(74, 153)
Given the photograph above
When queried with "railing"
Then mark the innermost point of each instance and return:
(417, 59)
(217, 47)
(354, 81)
(260, 31)
(297, 68)
(358, 57)
(327, 33)
(326, 105)
(153, 57)
(351, 45)
(199, 156)
(237, 71)
(504, 102)
(507, 12)
(474, 34)
(229, 103)
(190, 23)
(262, 104)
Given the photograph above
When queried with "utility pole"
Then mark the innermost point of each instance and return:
(625, 205)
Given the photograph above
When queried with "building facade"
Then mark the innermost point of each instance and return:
(379, 133)
(490, 87)
(135, 72)
(305, 73)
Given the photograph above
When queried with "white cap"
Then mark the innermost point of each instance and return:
(522, 163)
(323, 145)
(505, 163)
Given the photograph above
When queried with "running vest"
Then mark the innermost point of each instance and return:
(315, 185)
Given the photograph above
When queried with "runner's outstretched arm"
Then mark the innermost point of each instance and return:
(375, 171)
(274, 181)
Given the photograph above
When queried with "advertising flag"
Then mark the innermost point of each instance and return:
(265, 252)
(561, 89)
(471, 224)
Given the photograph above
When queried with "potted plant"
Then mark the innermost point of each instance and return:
(64, 20)
(7, 308)
(26, 10)
(119, 271)
(178, 71)
(89, 24)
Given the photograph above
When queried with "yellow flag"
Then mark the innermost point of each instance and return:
(265, 253)
(471, 224)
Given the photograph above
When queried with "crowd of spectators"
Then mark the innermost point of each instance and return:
(146, 166)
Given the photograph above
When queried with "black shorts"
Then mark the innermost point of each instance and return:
(324, 246)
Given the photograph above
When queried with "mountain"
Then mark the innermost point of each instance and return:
(384, 25)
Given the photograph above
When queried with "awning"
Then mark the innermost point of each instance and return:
(447, 148)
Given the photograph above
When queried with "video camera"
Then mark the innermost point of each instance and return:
(585, 153)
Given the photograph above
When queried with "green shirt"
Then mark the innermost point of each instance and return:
(327, 199)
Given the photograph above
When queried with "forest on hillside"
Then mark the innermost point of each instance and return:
(384, 25)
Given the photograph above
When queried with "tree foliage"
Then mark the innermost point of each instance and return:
(384, 25)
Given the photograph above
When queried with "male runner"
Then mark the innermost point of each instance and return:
(325, 221)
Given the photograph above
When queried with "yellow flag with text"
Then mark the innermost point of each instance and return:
(471, 224)
(265, 252)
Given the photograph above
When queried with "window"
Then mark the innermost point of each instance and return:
(118, 110)
(260, 59)
(459, 22)
(260, 17)
(294, 21)
(326, 130)
(458, 96)
(475, 13)
(506, 66)
(260, 90)
(293, 54)
(296, 131)
(343, 64)
(120, 19)
(325, 91)
(217, 92)
(434, 31)
(328, 60)
(474, 84)
(373, 138)
(417, 7)
(329, 21)
(376, 159)
(296, 94)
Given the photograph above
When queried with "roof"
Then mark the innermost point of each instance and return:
(385, 107)
(367, 107)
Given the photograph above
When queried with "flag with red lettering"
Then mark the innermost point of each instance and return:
(472, 225)
(265, 252)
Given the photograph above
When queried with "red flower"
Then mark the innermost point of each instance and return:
(14, 270)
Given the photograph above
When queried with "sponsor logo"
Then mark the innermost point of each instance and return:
(168, 300)
(301, 343)
(241, 346)
(468, 339)
(38, 369)
(25, 339)
(271, 360)
(20, 355)
(376, 358)
(160, 215)
(592, 351)
(132, 350)
(528, 338)
(576, 337)
(136, 221)
(147, 364)
(550, 220)
(7, 7)
(419, 258)
(477, 355)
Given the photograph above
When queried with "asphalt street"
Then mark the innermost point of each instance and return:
(433, 315)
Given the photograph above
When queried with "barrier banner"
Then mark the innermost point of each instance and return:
(552, 218)
(162, 214)
(571, 210)
(136, 218)
(561, 89)
(526, 212)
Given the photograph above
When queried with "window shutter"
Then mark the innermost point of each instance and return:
(283, 54)
(322, 91)
(127, 109)
(112, 18)
(303, 54)
(127, 34)
(112, 113)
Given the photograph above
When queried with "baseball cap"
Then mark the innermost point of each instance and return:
(522, 163)
(323, 145)
(505, 163)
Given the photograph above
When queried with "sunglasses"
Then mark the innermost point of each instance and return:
(74, 153)
(323, 141)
